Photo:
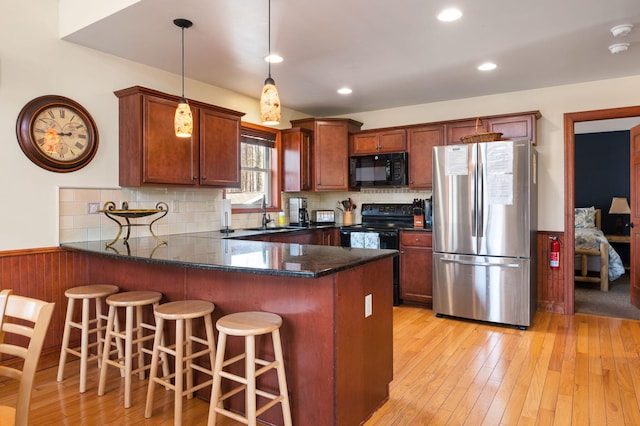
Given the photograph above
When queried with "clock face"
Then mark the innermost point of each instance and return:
(60, 133)
(57, 134)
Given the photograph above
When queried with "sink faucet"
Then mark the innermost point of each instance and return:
(266, 219)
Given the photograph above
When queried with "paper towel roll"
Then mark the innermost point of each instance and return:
(225, 213)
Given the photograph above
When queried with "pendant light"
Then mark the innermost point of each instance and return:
(269, 99)
(183, 120)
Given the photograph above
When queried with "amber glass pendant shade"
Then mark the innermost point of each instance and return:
(270, 103)
(183, 120)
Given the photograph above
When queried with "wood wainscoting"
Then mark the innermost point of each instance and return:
(551, 285)
(45, 274)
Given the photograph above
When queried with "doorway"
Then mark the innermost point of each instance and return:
(570, 120)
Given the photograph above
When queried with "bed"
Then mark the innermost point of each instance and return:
(593, 251)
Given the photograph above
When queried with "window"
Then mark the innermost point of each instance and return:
(258, 169)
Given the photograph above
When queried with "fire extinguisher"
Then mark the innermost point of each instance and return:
(554, 255)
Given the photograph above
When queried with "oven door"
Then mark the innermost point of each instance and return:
(376, 239)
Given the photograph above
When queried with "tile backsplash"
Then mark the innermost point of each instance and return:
(190, 210)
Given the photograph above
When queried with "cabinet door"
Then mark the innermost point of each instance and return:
(379, 142)
(219, 149)
(297, 166)
(519, 127)
(458, 129)
(364, 143)
(392, 141)
(421, 141)
(167, 159)
(331, 156)
(416, 267)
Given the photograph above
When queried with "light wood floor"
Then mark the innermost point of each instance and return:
(564, 370)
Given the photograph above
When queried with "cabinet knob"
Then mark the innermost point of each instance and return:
(204, 178)
(195, 178)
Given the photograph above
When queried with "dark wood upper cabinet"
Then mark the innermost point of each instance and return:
(520, 126)
(421, 141)
(330, 151)
(297, 168)
(378, 142)
(151, 154)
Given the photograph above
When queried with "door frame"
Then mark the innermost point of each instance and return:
(569, 187)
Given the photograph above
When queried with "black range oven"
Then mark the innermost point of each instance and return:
(380, 229)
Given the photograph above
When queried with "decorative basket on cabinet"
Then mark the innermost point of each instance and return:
(481, 136)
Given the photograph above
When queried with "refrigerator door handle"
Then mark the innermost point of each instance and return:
(480, 206)
(474, 203)
(467, 262)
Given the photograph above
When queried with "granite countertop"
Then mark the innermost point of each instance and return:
(216, 251)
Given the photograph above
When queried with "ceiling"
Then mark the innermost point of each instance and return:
(392, 53)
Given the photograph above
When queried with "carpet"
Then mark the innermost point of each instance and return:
(613, 303)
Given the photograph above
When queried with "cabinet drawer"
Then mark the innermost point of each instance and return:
(419, 239)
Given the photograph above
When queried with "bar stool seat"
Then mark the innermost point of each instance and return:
(183, 312)
(129, 301)
(249, 325)
(86, 293)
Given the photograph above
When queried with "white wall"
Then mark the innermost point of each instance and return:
(35, 62)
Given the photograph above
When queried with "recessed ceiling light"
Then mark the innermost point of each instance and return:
(449, 15)
(619, 48)
(273, 58)
(345, 91)
(487, 66)
(621, 30)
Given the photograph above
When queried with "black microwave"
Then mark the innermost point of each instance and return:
(378, 170)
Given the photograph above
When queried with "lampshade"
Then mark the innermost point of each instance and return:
(269, 99)
(183, 120)
(619, 205)
(270, 103)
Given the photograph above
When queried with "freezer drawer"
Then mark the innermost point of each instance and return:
(484, 288)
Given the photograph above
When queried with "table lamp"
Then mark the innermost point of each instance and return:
(619, 206)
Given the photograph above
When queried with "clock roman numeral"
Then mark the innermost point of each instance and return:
(79, 145)
(62, 112)
(51, 114)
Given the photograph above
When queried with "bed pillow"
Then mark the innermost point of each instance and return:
(585, 217)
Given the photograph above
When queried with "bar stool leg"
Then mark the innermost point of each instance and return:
(139, 337)
(128, 354)
(84, 345)
(153, 371)
(250, 362)
(105, 354)
(282, 380)
(65, 339)
(217, 378)
(179, 375)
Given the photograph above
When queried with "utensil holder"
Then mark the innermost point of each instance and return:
(347, 218)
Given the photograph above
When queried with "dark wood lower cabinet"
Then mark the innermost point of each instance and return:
(416, 267)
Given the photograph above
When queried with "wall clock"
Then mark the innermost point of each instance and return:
(57, 133)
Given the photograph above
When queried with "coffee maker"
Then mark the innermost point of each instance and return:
(298, 214)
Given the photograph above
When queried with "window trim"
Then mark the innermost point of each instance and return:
(251, 130)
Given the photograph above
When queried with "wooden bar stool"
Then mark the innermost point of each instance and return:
(86, 293)
(249, 325)
(183, 312)
(129, 301)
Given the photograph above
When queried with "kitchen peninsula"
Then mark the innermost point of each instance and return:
(339, 362)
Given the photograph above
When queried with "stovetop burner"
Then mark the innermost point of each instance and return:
(385, 217)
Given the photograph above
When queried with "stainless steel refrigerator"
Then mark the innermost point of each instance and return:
(484, 231)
